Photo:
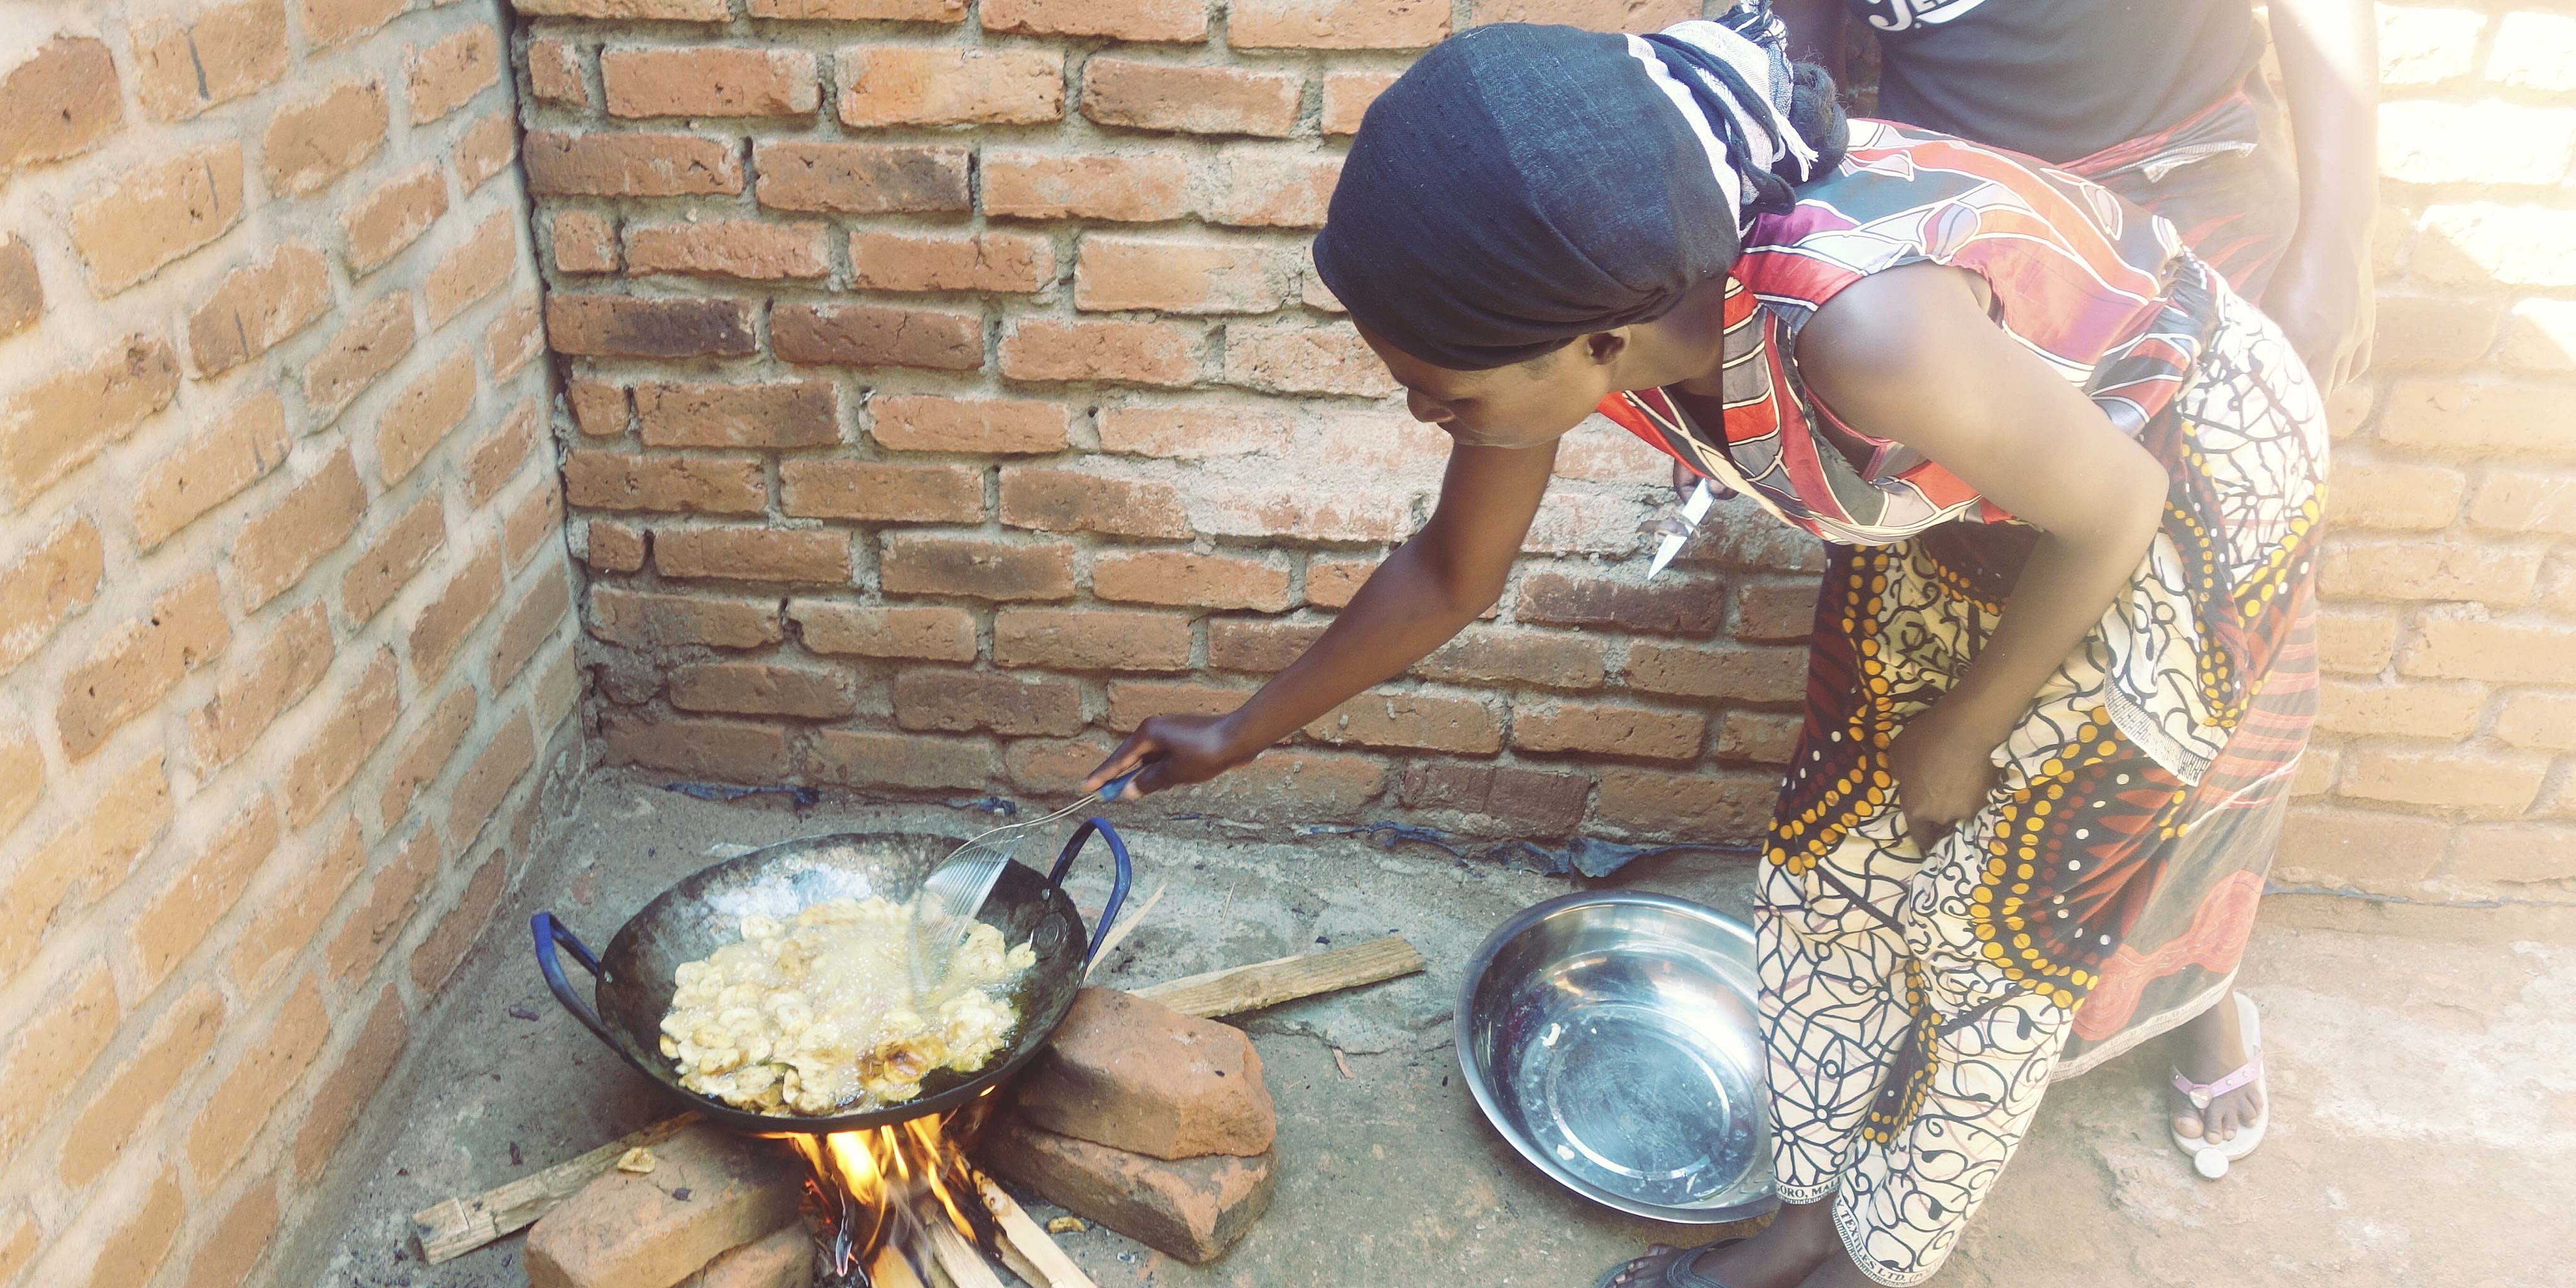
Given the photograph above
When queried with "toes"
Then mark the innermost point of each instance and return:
(2188, 1126)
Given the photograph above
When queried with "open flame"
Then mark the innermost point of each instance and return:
(883, 1192)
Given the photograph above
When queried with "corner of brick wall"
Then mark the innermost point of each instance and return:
(285, 610)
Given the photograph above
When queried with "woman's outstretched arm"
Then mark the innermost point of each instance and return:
(1426, 592)
(1910, 355)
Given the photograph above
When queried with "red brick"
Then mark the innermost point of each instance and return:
(441, 625)
(1338, 24)
(856, 759)
(329, 22)
(2359, 642)
(2434, 569)
(869, 335)
(1132, 703)
(892, 261)
(437, 957)
(1705, 805)
(1304, 513)
(1127, 189)
(176, 1044)
(630, 1229)
(50, 1052)
(2474, 419)
(494, 461)
(1330, 583)
(861, 178)
(227, 53)
(1135, 1075)
(233, 1246)
(391, 897)
(673, 484)
(2431, 332)
(1410, 719)
(709, 80)
(2525, 501)
(352, 1083)
(936, 634)
(886, 85)
(1063, 500)
(424, 756)
(1194, 1209)
(1286, 786)
(1190, 99)
(959, 701)
(290, 662)
(1145, 353)
(22, 777)
(401, 550)
(996, 426)
(643, 619)
(473, 268)
(530, 624)
(1091, 639)
(143, 1234)
(915, 563)
(1258, 645)
(558, 692)
(129, 671)
(781, 414)
(2495, 784)
(1185, 277)
(292, 920)
(82, 863)
(1265, 190)
(1763, 737)
(647, 10)
(421, 416)
(58, 102)
(255, 307)
(743, 248)
(61, 423)
(1671, 606)
(758, 689)
(309, 145)
(618, 326)
(447, 74)
(19, 1240)
(1192, 432)
(1499, 655)
(2514, 853)
(249, 1092)
(485, 148)
(2395, 496)
(1180, 577)
(1053, 766)
(861, 10)
(555, 74)
(1609, 730)
(2546, 720)
(1294, 358)
(1550, 804)
(2418, 709)
(487, 780)
(514, 338)
(1775, 610)
(2339, 846)
(630, 165)
(1739, 674)
(329, 756)
(1591, 15)
(366, 347)
(612, 547)
(54, 578)
(22, 291)
(1348, 96)
(754, 554)
(177, 919)
(721, 750)
(599, 410)
(1177, 21)
(878, 492)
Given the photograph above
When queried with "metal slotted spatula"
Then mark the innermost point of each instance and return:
(955, 890)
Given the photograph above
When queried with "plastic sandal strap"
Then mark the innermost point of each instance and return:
(2201, 1093)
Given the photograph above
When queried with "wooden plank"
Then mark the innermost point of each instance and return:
(1046, 1264)
(1250, 988)
(963, 1264)
(890, 1270)
(458, 1226)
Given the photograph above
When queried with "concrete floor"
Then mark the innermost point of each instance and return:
(2423, 1069)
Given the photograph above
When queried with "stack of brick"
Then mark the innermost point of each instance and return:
(715, 1211)
(285, 645)
(1153, 1123)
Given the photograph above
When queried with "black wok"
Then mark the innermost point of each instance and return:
(703, 913)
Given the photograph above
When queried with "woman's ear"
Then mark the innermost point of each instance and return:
(1604, 348)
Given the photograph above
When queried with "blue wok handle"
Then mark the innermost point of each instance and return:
(1117, 885)
(551, 932)
(1109, 790)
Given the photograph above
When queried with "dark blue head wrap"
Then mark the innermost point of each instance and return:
(1522, 185)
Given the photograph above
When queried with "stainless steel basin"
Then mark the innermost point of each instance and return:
(1611, 1037)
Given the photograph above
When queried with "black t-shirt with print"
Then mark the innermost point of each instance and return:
(2057, 79)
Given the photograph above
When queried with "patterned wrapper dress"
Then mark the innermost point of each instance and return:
(1917, 999)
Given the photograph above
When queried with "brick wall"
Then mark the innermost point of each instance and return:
(948, 390)
(284, 607)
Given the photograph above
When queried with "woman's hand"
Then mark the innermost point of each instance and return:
(2322, 301)
(1175, 751)
(1943, 771)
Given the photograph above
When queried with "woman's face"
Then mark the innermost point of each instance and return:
(1526, 404)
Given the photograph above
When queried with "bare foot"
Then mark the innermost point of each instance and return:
(2208, 1047)
(1799, 1239)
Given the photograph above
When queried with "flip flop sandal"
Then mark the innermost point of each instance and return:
(2211, 1160)
(1663, 1266)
